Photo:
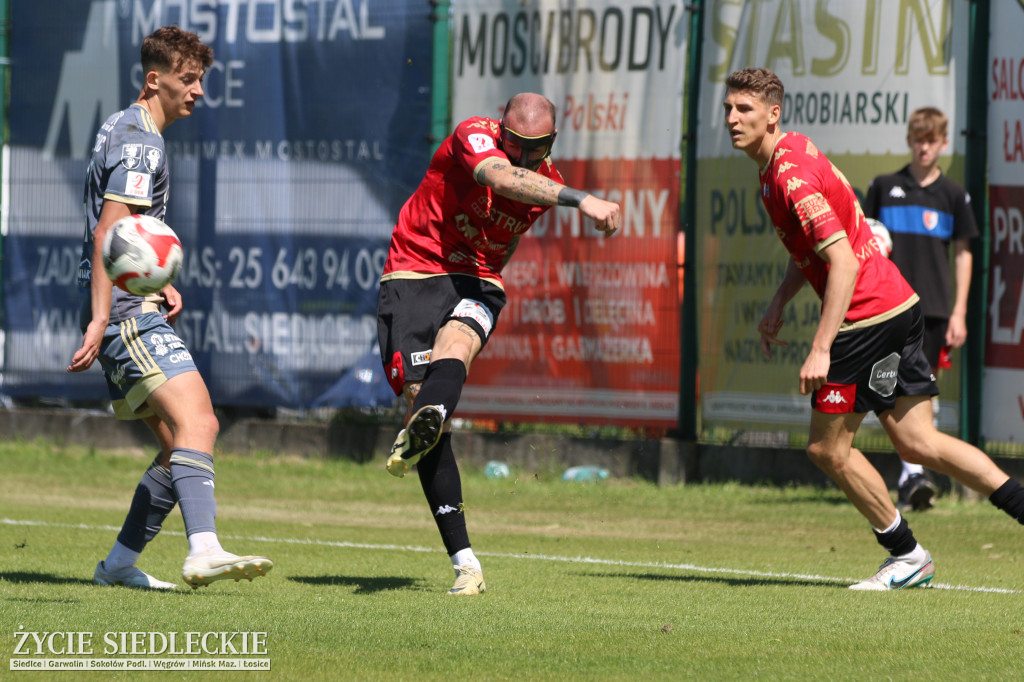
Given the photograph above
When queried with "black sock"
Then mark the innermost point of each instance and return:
(899, 541)
(439, 477)
(1010, 498)
(442, 385)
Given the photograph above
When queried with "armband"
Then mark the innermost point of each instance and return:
(571, 197)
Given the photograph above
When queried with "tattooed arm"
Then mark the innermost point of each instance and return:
(525, 186)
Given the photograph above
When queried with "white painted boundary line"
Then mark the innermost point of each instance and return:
(535, 557)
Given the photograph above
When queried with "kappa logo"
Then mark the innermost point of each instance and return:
(445, 509)
(834, 397)
(785, 166)
(209, 483)
(794, 183)
(897, 193)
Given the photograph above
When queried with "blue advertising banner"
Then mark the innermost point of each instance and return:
(285, 184)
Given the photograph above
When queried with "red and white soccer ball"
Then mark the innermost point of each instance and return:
(141, 254)
(882, 236)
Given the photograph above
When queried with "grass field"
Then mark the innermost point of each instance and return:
(617, 581)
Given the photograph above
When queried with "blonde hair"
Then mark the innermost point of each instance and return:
(928, 123)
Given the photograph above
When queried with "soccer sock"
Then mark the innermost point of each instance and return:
(897, 538)
(203, 541)
(439, 477)
(120, 557)
(442, 385)
(192, 478)
(908, 471)
(1010, 498)
(153, 501)
(465, 557)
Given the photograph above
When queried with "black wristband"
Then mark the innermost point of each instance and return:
(571, 197)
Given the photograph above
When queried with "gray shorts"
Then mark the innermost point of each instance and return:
(138, 356)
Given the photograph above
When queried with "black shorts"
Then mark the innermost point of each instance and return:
(873, 366)
(934, 338)
(410, 312)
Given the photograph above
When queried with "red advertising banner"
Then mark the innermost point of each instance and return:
(1004, 346)
(592, 324)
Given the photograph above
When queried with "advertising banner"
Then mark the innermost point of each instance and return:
(285, 184)
(591, 330)
(1002, 416)
(853, 73)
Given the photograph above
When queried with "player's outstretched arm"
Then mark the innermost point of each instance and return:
(528, 187)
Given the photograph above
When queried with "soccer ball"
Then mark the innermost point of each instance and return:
(141, 254)
(882, 236)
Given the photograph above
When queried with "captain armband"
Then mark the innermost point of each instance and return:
(571, 197)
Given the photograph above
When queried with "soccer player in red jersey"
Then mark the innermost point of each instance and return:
(867, 350)
(441, 290)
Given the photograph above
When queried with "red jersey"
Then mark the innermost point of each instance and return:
(811, 205)
(454, 225)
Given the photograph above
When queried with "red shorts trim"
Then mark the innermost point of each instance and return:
(835, 398)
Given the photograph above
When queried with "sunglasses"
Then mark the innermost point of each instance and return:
(533, 150)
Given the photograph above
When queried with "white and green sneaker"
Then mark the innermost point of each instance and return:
(899, 574)
(469, 580)
(416, 439)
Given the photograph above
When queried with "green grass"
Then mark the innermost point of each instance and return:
(721, 582)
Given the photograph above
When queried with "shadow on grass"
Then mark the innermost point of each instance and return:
(29, 577)
(751, 581)
(363, 584)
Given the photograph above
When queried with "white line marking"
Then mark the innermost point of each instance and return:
(535, 557)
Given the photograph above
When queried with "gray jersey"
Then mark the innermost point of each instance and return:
(128, 164)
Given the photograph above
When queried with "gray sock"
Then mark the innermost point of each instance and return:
(192, 478)
(153, 501)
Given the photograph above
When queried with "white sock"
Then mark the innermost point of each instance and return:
(909, 470)
(892, 526)
(120, 557)
(917, 554)
(202, 542)
(465, 557)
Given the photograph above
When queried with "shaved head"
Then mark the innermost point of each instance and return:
(530, 114)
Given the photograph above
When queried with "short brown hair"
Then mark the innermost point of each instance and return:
(169, 48)
(761, 82)
(928, 123)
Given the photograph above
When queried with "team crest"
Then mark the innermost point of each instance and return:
(931, 220)
(131, 156)
(151, 158)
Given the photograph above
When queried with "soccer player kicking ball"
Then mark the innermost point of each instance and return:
(867, 350)
(441, 290)
(128, 174)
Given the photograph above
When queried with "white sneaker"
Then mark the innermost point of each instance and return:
(129, 576)
(207, 567)
(468, 580)
(898, 574)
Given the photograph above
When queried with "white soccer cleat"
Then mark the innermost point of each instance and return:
(416, 440)
(212, 565)
(469, 580)
(899, 574)
(129, 576)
